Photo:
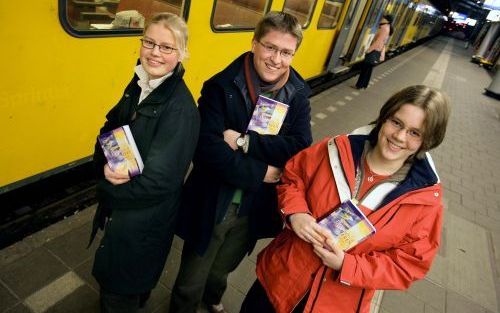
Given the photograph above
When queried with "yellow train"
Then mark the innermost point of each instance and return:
(66, 62)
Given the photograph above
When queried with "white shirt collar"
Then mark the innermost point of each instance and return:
(144, 77)
(148, 85)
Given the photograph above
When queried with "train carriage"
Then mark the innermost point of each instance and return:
(67, 62)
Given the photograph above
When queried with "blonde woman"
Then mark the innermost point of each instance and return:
(138, 214)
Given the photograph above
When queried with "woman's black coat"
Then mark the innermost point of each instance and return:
(142, 212)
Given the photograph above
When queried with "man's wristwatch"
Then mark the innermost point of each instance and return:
(241, 141)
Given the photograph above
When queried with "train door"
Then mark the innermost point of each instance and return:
(396, 10)
(356, 33)
(426, 20)
(344, 38)
(368, 31)
(401, 25)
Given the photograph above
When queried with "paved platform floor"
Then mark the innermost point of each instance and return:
(50, 270)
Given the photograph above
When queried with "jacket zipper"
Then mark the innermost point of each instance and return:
(300, 300)
(360, 300)
(319, 288)
(318, 291)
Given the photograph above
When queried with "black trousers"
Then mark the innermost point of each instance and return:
(256, 300)
(116, 303)
(364, 75)
(204, 278)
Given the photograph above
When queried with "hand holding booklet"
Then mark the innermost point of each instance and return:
(121, 151)
(268, 116)
(348, 225)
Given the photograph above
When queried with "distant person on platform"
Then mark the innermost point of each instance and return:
(385, 169)
(138, 214)
(229, 199)
(376, 52)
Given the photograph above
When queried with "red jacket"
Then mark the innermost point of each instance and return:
(408, 227)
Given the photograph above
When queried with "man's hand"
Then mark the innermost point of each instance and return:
(230, 137)
(273, 174)
(116, 178)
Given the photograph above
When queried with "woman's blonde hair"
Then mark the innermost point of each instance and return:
(177, 26)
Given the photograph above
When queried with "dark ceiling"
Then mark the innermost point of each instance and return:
(470, 8)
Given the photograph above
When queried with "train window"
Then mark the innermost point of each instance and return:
(238, 14)
(330, 14)
(301, 9)
(112, 17)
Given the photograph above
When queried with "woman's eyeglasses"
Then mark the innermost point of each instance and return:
(148, 44)
(397, 125)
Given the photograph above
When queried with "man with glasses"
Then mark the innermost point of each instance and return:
(229, 200)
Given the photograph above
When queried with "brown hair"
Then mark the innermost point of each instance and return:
(435, 104)
(279, 21)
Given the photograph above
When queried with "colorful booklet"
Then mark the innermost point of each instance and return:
(268, 116)
(121, 151)
(348, 225)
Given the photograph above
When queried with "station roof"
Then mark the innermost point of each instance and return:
(471, 8)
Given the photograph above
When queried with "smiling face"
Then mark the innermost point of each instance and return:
(400, 136)
(156, 63)
(271, 65)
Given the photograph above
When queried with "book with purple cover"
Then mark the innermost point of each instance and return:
(268, 116)
(121, 151)
(349, 226)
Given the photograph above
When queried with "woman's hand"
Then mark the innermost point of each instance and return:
(330, 253)
(116, 178)
(305, 226)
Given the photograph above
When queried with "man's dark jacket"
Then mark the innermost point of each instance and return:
(142, 212)
(218, 170)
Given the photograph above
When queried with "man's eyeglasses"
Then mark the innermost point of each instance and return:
(148, 44)
(285, 54)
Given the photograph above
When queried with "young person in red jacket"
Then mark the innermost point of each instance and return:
(303, 270)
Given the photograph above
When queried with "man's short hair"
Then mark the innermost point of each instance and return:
(280, 21)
